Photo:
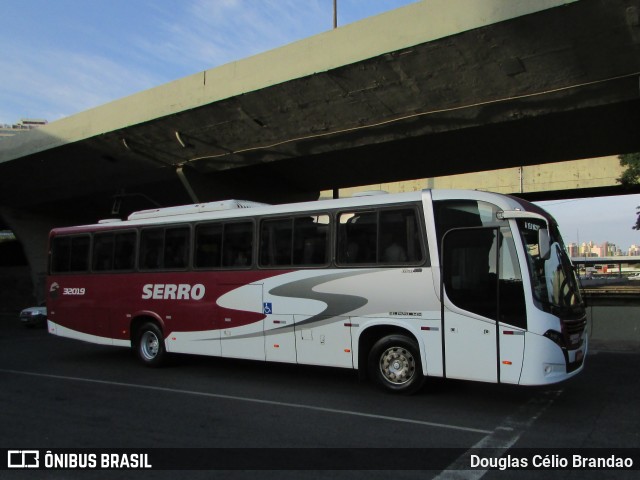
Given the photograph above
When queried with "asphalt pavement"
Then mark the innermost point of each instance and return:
(58, 394)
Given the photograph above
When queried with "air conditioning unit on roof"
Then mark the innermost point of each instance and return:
(195, 208)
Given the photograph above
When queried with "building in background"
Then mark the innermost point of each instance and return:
(24, 125)
(606, 249)
(573, 250)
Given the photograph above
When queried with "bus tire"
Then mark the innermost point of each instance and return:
(394, 364)
(150, 345)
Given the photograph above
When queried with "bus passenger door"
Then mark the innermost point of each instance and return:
(479, 279)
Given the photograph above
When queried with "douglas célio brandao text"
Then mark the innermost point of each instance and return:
(551, 461)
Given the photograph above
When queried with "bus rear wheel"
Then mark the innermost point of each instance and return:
(150, 345)
(394, 364)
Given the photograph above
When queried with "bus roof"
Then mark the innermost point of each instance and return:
(227, 209)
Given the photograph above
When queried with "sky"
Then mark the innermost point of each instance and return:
(597, 219)
(60, 57)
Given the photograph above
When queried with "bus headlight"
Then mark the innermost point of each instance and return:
(556, 337)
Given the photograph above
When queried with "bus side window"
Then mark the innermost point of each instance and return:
(151, 248)
(164, 248)
(70, 254)
(357, 233)
(176, 247)
(299, 241)
(80, 246)
(399, 237)
(103, 251)
(276, 242)
(208, 247)
(60, 254)
(390, 236)
(311, 240)
(113, 251)
(125, 249)
(237, 245)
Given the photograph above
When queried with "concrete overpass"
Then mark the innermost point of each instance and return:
(569, 179)
(439, 87)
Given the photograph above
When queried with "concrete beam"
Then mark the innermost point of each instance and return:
(414, 24)
(574, 175)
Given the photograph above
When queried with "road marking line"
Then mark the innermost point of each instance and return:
(252, 400)
(505, 436)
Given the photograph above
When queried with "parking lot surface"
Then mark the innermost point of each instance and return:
(64, 394)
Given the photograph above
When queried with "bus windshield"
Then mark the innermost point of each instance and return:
(554, 282)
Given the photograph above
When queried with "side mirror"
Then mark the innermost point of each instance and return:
(544, 243)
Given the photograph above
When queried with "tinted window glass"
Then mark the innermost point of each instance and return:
(208, 246)
(151, 244)
(276, 240)
(226, 245)
(237, 245)
(311, 240)
(60, 254)
(103, 251)
(481, 274)
(357, 237)
(125, 249)
(80, 253)
(463, 213)
(164, 248)
(399, 237)
(300, 241)
(113, 251)
(70, 254)
(176, 248)
(389, 236)
(469, 270)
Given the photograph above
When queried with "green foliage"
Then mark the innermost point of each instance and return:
(631, 176)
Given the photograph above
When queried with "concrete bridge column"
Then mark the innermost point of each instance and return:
(32, 231)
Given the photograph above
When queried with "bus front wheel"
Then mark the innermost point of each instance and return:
(394, 364)
(150, 345)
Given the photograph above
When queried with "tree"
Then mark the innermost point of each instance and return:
(631, 177)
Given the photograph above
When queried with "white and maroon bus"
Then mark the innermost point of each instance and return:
(456, 284)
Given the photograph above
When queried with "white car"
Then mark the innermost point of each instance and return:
(34, 316)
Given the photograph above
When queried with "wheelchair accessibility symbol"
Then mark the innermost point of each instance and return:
(267, 308)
